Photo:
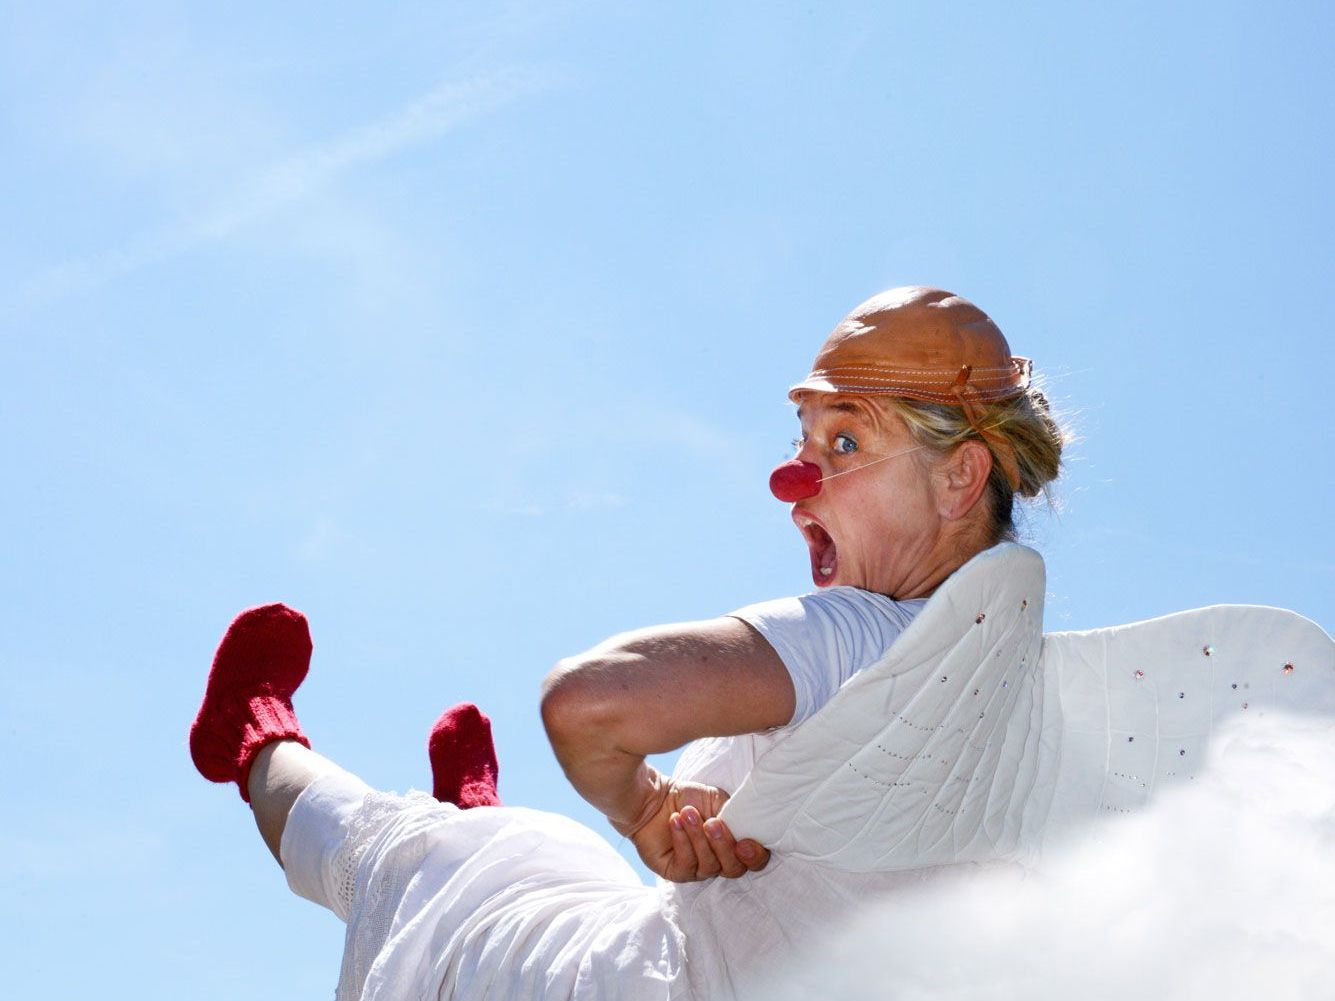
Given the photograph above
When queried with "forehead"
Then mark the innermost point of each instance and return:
(818, 406)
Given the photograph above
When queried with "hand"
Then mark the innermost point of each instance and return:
(684, 840)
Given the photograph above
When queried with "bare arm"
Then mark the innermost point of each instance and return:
(654, 690)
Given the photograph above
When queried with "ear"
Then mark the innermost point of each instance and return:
(963, 479)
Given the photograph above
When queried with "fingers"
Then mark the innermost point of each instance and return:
(706, 862)
(725, 848)
(713, 844)
(692, 843)
(683, 864)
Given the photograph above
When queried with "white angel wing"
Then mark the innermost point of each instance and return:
(977, 738)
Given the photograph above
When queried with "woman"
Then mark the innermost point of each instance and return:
(918, 430)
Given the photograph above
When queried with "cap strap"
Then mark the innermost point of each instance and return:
(1002, 449)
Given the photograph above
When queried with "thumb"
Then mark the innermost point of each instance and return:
(707, 799)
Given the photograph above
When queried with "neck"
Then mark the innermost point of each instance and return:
(961, 542)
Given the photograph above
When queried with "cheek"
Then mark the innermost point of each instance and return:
(902, 507)
(920, 505)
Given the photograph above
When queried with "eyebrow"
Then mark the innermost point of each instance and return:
(843, 406)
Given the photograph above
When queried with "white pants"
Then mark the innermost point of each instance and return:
(496, 902)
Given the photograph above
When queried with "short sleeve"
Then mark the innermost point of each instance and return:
(827, 637)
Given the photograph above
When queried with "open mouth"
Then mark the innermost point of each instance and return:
(824, 553)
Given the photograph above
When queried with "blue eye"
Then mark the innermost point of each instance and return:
(845, 444)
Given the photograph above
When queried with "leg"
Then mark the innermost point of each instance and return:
(245, 731)
(279, 773)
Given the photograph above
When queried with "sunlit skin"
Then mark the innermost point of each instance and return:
(900, 526)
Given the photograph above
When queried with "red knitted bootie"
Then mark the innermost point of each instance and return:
(261, 660)
(463, 758)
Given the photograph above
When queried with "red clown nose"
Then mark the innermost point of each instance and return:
(795, 480)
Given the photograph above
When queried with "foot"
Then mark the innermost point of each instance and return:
(463, 758)
(247, 704)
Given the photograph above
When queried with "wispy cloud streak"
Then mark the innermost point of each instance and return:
(289, 180)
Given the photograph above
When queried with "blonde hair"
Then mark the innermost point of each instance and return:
(1027, 424)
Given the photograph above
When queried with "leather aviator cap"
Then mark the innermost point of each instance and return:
(923, 344)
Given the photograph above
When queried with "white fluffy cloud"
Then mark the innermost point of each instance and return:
(1225, 890)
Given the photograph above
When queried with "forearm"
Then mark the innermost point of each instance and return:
(593, 735)
(624, 787)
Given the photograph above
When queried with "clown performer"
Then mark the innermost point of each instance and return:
(904, 723)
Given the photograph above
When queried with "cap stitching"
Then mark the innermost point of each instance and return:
(944, 371)
(893, 379)
(924, 393)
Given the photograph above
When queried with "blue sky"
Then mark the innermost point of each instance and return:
(468, 333)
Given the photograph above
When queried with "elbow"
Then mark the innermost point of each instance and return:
(575, 701)
(559, 698)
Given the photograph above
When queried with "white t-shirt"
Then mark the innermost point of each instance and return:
(827, 637)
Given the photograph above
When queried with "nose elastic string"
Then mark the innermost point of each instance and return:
(797, 479)
(858, 469)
